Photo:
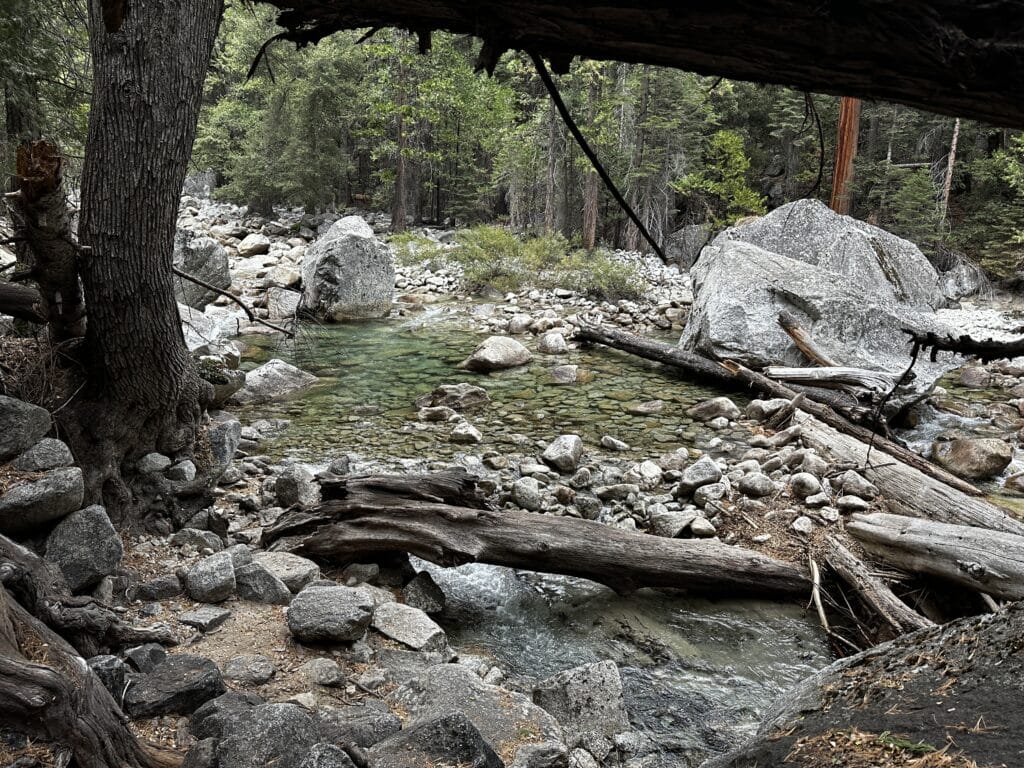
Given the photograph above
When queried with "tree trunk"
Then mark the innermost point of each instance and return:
(438, 518)
(398, 202)
(947, 185)
(550, 177)
(143, 393)
(591, 182)
(846, 150)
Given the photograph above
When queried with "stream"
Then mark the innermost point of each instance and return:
(697, 674)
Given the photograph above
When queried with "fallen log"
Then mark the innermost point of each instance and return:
(21, 302)
(737, 375)
(373, 516)
(977, 558)
(857, 381)
(803, 341)
(872, 591)
(906, 489)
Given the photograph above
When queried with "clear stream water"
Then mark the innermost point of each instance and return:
(697, 674)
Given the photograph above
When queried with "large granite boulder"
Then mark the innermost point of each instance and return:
(684, 245)
(587, 701)
(203, 258)
(852, 286)
(347, 273)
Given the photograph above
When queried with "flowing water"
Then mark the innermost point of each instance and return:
(697, 674)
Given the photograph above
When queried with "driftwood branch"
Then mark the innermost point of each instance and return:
(732, 374)
(905, 487)
(988, 561)
(803, 341)
(872, 591)
(985, 349)
(245, 308)
(374, 516)
(854, 380)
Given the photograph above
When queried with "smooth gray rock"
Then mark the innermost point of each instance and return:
(587, 702)
(670, 523)
(296, 486)
(804, 484)
(759, 410)
(29, 504)
(177, 686)
(255, 582)
(212, 579)
(564, 453)
(347, 273)
(324, 672)
(267, 735)
(250, 669)
(85, 547)
(283, 304)
(973, 458)
(182, 472)
(203, 258)
(199, 540)
(254, 244)
(465, 433)
(273, 380)
(152, 463)
(526, 493)
(756, 485)
(853, 483)
(330, 614)
(502, 716)
(48, 453)
(295, 571)
(704, 471)
(22, 425)
(409, 626)
(716, 407)
(444, 739)
(496, 353)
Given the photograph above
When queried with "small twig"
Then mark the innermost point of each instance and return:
(991, 604)
(816, 594)
(245, 308)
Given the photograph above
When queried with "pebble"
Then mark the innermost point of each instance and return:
(803, 525)
(849, 504)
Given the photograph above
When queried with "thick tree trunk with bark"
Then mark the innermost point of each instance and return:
(847, 133)
(437, 517)
(144, 393)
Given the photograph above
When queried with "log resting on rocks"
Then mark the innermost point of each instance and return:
(22, 302)
(732, 374)
(978, 558)
(439, 518)
(906, 489)
(857, 381)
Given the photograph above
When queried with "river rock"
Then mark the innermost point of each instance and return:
(587, 702)
(973, 458)
(33, 502)
(714, 408)
(212, 579)
(465, 433)
(295, 485)
(272, 380)
(22, 425)
(702, 528)
(257, 584)
(409, 626)
(294, 571)
(85, 547)
(501, 716)
(444, 739)
(526, 493)
(283, 304)
(203, 258)
(347, 273)
(565, 374)
(462, 397)
(176, 686)
(330, 614)
(670, 523)
(363, 725)
(254, 244)
(702, 472)
(424, 593)
(496, 353)
(48, 453)
(760, 410)
(553, 344)
(564, 453)
(851, 482)
(804, 484)
(267, 735)
(250, 669)
(852, 286)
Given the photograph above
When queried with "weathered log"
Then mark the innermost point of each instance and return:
(984, 349)
(373, 517)
(21, 302)
(740, 376)
(958, 58)
(978, 558)
(906, 489)
(47, 691)
(857, 381)
(803, 341)
(872, 591)
(87, 624)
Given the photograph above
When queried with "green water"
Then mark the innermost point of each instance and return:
(372, 373)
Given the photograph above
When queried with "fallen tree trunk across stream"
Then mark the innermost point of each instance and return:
(819, 403)
(439, 518)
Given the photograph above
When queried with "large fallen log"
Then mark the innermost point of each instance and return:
(857, 381)
(978, 558)
(906, 489)
(874, 592)
(736, 375)
(376, 515)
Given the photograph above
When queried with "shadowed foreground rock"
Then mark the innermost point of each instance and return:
(958, 685)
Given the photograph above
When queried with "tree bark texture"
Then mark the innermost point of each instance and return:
(48, 249)
(951, 56)
(988, 561)
(905, 489)
(847, 133)
(147, 84)
(379, 515)
(22, 302)
(947, 184)
(591, 182)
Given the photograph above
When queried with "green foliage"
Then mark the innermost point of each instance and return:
(410, 249)
(722, 184)
(494, 259)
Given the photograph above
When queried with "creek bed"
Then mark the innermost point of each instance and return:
(697, 674)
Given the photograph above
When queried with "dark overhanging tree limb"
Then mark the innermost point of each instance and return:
(245, 308)
(985, 349)
(563, 110)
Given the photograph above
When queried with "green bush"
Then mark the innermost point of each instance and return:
(410, 249)
(494, 259)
